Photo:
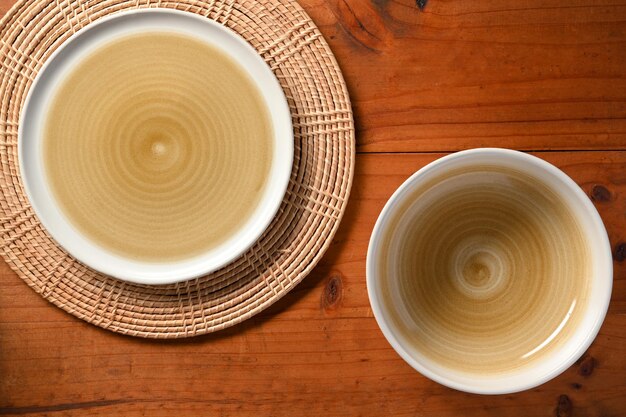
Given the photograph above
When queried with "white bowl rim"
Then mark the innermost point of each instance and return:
(521, 384)
(157, 273)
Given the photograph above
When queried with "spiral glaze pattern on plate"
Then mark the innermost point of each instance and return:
(484, 270)
(158, 146)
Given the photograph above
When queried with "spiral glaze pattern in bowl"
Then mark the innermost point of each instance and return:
(486, 271)
(489, 271)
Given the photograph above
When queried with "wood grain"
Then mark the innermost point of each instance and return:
(535, 74)
(317, 352)
(540, 75)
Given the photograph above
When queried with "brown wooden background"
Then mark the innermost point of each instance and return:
(546, 76)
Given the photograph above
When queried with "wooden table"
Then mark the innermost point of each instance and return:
(544, 76)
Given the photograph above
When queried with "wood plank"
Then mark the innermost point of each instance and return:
(527, 75)
(307, 355)
(540, 74)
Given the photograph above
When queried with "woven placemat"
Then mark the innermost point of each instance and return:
(291, 44)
